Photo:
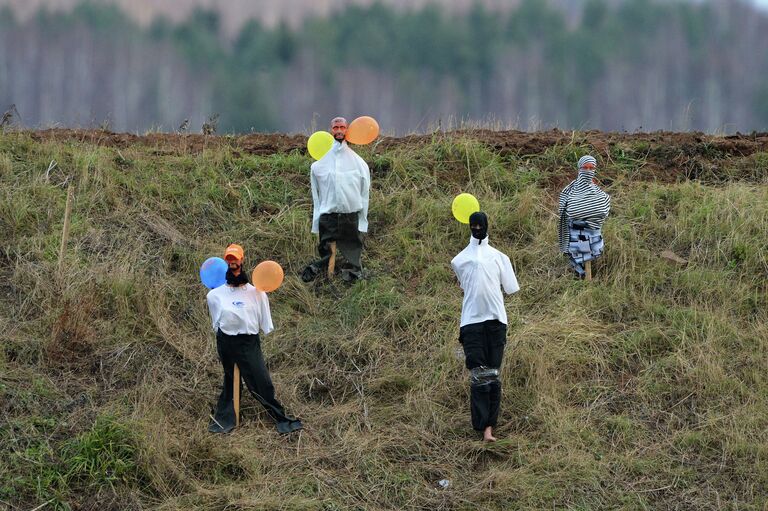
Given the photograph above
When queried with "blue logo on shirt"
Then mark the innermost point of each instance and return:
(239, 305)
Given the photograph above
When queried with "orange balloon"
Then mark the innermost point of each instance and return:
(267, 276)
(362, 130)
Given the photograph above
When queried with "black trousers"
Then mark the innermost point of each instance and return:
(484, 348)
(341, 228)
(245, 351)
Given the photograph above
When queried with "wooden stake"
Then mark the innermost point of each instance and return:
(236, 395)
(332, 260)
(65, 230)
(588, 269)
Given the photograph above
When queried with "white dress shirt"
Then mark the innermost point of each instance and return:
(239, 310)
(483, 271)
(341, 183)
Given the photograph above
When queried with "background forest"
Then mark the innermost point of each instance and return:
(631, 65)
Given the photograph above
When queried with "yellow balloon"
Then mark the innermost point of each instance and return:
(319, 144)
(463, 206)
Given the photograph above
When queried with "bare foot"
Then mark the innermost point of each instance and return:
(488, 435)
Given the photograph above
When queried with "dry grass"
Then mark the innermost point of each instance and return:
(643, 390)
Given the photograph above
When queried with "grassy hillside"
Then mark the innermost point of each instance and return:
(645, 389)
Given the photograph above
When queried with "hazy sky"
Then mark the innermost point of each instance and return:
(235, 12)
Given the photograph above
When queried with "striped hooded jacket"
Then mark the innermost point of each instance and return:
(582, 200)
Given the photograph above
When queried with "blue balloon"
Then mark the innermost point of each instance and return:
(213, 272)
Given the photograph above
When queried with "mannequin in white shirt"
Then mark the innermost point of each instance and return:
(238, 312)
(482, 272)
(341, 183)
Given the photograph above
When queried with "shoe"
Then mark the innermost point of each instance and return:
(289, 426)
(218, 427)
(309, 274)
(352, 275)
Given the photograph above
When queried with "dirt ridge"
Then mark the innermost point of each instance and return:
(503, 142)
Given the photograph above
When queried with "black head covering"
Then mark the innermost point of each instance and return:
(481, 219)
(239, 280)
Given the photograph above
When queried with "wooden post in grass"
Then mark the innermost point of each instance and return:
(588, 270)
(332, 260)
(65, 230)
(59, 277)
(236, 394)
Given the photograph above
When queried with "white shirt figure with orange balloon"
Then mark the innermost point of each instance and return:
(341, 182)
(239, 311)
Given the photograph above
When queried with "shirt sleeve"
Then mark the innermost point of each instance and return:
(213, 309)
(508, 278)
(455, 269)
(315, 202)
(365, 184)
(265, 315)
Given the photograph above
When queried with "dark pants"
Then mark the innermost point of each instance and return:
(341, 228)
(245, 351)
(484, 348)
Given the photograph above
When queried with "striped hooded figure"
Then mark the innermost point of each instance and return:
(583, 209)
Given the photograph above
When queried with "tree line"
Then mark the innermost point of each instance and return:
(632, 65)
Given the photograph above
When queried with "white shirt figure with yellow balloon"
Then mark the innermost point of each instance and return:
(341, 182)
